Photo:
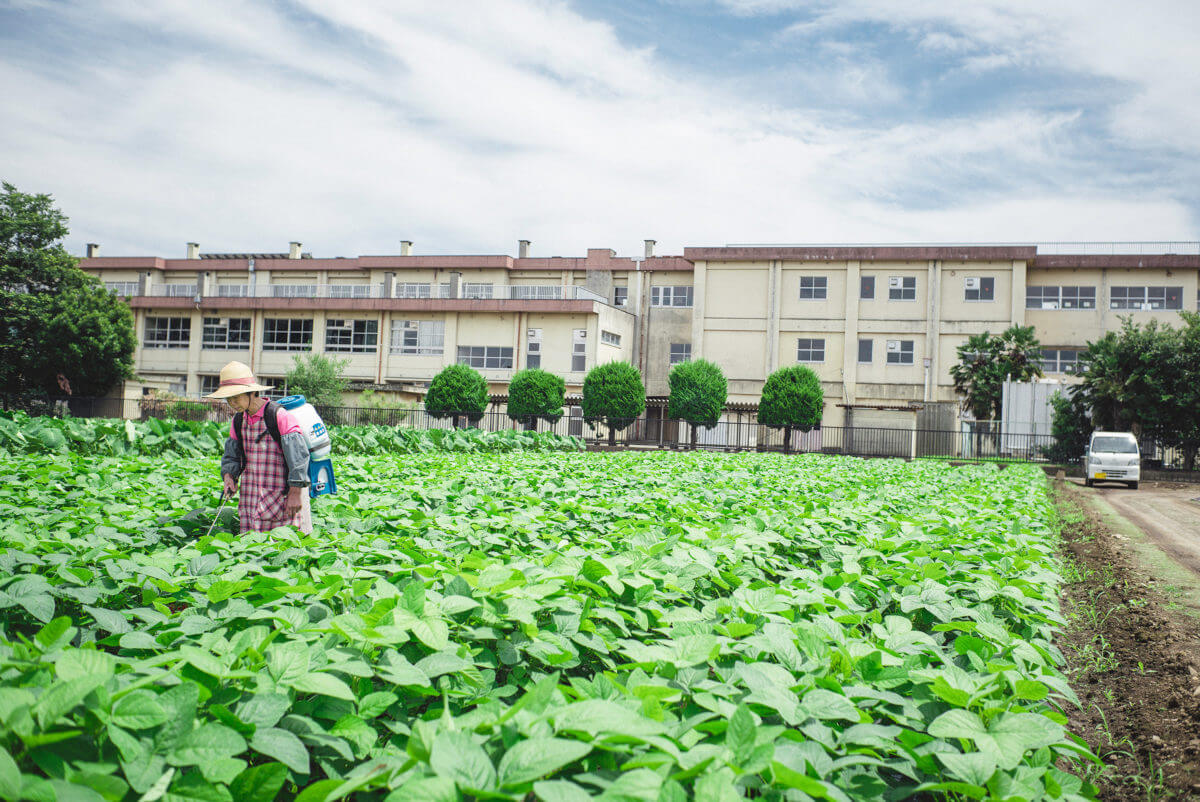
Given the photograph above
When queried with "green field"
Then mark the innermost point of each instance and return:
(535, 625)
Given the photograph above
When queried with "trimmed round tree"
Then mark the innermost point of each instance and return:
(613, 394)
(534, 393)
(698, 393)
(458, 391)
(792, 398)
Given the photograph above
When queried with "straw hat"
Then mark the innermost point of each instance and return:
(236, 378)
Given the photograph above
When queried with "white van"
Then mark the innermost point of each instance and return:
(1112, 457)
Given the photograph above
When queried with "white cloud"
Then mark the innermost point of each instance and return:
(350, 126)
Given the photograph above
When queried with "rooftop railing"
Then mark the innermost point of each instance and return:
(466, 291)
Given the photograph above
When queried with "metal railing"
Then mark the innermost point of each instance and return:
(502, 292)
(1059, 248)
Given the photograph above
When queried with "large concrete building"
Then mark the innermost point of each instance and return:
(879, 324)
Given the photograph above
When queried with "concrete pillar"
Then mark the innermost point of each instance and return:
(293, 250)
(385, 343)
(700, 282)
(850, 344)
(193, 250)
(1018, 292)
(195, 340)
(523, 249)
(93, 250)
(318, 343)
(389, 284)
(405, 247)
(774, 299)
(450, 347)
(933, 326)
(455, 284)
(256, 338)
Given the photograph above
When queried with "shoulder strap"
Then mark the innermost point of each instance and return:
(237, 426)
(271, 418)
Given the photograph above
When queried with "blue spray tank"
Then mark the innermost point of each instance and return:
(320, 468)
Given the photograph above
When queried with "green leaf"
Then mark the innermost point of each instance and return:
(425, 789)
(975, 768)
(324, 685)
(138, 710)
(55, 634)
(740, 734)
(319, 791)
(534, 758)
(77, 663)
(206, 743)
(457, 757)
(373, 704)
(560, 791)
(829, 705)
(717, 787)
(1031, 690)
(264, 709)
(283, 746)
(259, 783)
(10, 777)
(62, 697)
(194, 788)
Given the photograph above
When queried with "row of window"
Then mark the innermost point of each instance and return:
(899, 352)
(1119, 297)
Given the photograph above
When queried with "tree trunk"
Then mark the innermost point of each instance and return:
(787, 439)
(612, 436)
(454, 418)
(695, 437)
(1189, 459)
(531, 424)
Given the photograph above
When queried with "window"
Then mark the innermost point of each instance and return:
(226, 333)
(1060, 297)
(177, 385)
(294, 290)
(418, 337)
(680, 352)
(352, 336)
(349, 290)
(412, 289)
(535, 292)
(1146, 298)
(810, 350)
(620, 296)
(209, 384)
(444, 290)
(900, 352)
(980, 288)
(866, 287)
(533, 348)
(287, 334)
(610, 338)
(866, 351)
(180, 290)
(1060, 360)
(477, 291)
(232, 290)
(485, 356)
(579, 350)
(167, 332)
(124, 289)
(902, 288)
(670, 296)
(814, 288)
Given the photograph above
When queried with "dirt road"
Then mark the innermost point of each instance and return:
(1167, 513)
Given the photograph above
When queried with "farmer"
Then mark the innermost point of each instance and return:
(268, 451)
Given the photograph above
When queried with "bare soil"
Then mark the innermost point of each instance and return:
(1132, 644)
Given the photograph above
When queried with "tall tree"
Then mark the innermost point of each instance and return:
(320, 379)
(535, 394)
(63, 333)
(792, 398)
(613, 394)
(457, 391)
(984, 362)
(698, 394)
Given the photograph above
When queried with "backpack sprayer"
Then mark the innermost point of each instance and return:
(320, 467)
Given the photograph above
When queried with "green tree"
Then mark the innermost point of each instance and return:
(60, 330)
(458, 391)
(984, 362)
(321, 380)
(1145, 378)
(1071, 426)
(613, 394)
(698, 393)
(792, 398)
(534, 393)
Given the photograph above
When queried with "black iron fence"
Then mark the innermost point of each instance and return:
(982, 441)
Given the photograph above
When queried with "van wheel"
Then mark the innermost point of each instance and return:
(1133, 485)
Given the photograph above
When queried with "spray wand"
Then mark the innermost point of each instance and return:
(225, 496)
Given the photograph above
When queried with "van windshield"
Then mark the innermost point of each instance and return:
(1114, 445)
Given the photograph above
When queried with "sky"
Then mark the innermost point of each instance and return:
(465, 126)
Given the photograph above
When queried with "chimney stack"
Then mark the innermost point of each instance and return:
(293, 250)
(650, 248)
(93, 249)
(193, 250)
(523, 249)
(406, 247)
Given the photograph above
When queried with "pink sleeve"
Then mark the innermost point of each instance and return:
(287, 423)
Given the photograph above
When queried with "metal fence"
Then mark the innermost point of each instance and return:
(973, 441)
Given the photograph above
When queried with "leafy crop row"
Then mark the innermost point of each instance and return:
(535, 626)
(22, 434)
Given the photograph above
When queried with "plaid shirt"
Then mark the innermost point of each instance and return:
(262, 502)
